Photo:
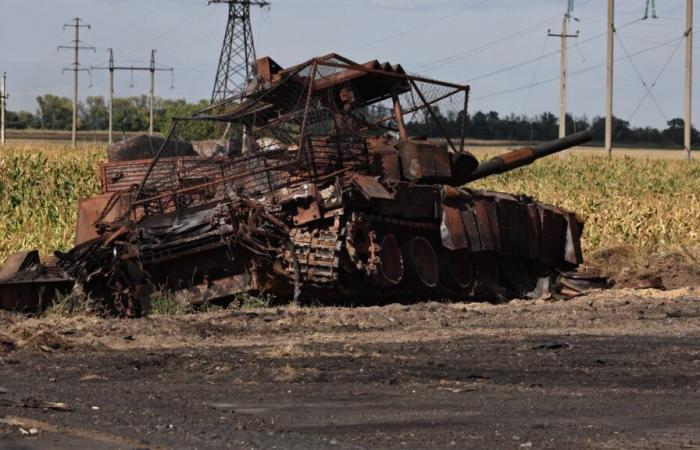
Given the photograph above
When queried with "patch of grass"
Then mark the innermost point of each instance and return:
(247, 301)
(163, 302)
(65, 305)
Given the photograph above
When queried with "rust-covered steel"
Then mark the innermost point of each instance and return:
(320, 189)
(27, 285)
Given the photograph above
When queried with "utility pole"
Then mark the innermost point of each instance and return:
(152, 68)
(609, 82)
(75, 67)
(563, 66)
(111, 95)
(152, 96)
(237, 51)
(688, 79)
(3, 106)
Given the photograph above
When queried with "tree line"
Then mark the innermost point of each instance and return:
(545, 127)
(131, 115)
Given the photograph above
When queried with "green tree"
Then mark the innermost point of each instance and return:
(193, 130)
(22, 120)
(94, 114)
(131, 113)
(675, 132)
(55, 113)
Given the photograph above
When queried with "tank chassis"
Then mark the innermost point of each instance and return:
(322, 194)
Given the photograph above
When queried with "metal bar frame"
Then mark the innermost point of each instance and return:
(433, 116)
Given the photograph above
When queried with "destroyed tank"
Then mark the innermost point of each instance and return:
(321, 189)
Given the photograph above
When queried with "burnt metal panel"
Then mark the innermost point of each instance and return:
(553, 229)
(18, 262)
(534, 226)
(371, 188)
(572, 249)
(522, 229)
(423, 160)
(417, 201)
(505, 221)
(481, 208)
(494, 224)
(90, 209)
(452, 231)
(472, 229)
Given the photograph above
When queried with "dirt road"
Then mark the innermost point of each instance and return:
(616, 369)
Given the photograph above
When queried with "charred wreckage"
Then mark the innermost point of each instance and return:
(315, 192)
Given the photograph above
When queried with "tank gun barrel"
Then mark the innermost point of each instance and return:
(528, 155)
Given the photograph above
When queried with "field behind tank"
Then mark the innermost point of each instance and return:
(642, 202)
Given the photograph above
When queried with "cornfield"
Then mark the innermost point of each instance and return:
(40, 187)
(651, 205)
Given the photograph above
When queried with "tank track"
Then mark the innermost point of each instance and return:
(501, 253)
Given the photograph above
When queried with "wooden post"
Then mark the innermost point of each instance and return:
(609, 83)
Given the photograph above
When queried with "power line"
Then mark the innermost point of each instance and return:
(547, 55)
(416, 28)
(474, 50)
(658, 77)
(641, 79)
(189, 18)
(534, 77)
(488, 45)
(577, 72)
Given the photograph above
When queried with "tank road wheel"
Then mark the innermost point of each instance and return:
(517, 275)
(422, 263)
(486, 269)
(387, 265)
(457, 270)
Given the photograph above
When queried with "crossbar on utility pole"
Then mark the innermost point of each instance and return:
(609, 80)
(3, 106)
(687, 138)
(75, 67)
(151, 97)
(563, 71)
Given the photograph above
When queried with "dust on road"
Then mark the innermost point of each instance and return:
(612, 369)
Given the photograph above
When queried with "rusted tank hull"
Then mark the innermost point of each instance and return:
(376, 245)
(317, 199)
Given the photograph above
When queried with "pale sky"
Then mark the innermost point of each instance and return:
(472, 41)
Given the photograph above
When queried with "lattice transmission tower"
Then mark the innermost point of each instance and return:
(237, 51)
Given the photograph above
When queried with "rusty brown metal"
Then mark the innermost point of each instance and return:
(424, 161)
(316, 198)
(18, 262)
(27, 285)
(422, 264)
(371, 188)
